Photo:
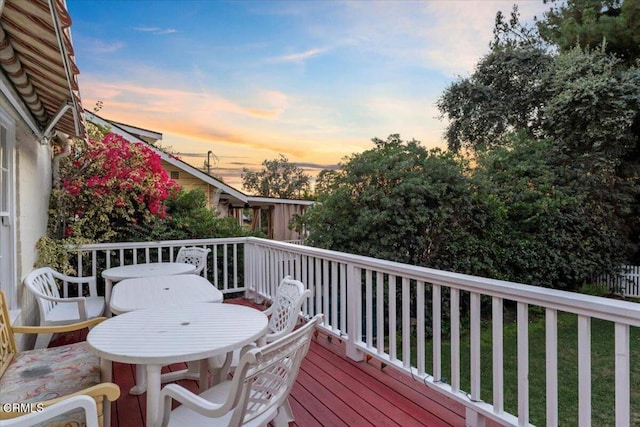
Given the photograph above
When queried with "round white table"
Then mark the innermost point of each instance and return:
(166, 335)
(149, 269)
(162, 291)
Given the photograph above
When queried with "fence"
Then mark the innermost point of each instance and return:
(626, 282)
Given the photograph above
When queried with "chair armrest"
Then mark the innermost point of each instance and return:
(269, 311)
(90, 280)
(58, 328)
(110, 391)
(192, 401)
(81, 301)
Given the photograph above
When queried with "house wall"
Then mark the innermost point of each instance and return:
(32, 188)
(189, 182)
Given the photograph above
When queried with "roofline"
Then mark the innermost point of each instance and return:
(171, 159)
(144, 132)
(73, 101)
(257, 199)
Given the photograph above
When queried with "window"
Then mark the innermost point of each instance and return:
(175, 175)
(7, 212)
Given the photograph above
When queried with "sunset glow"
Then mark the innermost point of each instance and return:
(249, 80)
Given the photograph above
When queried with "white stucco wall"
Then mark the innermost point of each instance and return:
(32, 188)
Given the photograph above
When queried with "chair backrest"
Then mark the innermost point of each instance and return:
(8, 347)
(82, 403)
(286, 307)
(265, 375)
(194, 255)
(42, 283)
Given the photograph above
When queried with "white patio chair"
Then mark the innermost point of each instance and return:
(255, 396)
(283, 316)
(194, 255)
(56, 309)
(82, 407)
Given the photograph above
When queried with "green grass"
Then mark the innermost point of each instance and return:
(602, 368)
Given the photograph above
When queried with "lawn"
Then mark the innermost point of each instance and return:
(602, 368)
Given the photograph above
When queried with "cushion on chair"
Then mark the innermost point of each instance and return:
(39, 375)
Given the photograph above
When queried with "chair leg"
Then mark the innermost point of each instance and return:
(285, 415)
(43, 341)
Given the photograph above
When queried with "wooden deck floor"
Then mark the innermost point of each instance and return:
(331, 390)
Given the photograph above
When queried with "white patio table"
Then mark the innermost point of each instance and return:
(148, 269)
(162, 291)
(165, 335)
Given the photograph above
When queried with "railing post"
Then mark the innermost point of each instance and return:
(354, 313)
(474, 419)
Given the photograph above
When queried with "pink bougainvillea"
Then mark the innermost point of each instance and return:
(110, 185)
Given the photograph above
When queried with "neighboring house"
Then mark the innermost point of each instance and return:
(39, 105)
(269, 214)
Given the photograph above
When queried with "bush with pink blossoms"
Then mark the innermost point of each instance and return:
(109, 189)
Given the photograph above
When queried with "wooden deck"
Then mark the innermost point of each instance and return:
(331, 390)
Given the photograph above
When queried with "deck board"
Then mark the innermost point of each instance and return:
(331, 390)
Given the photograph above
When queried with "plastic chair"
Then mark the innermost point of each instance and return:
(88, 415)
(56, 309)
(283, 316)
(255, 396)
(194, 255)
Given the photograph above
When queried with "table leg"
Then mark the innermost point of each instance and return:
(108, 284)
(141, 381)
(106, 368)
(153, 395)
(204, 374)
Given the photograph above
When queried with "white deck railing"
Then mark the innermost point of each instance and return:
(382, 309)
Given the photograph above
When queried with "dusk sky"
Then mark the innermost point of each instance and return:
(249, 80)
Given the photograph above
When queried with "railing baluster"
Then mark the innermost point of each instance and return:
(406, 324)
(497, 309)
(420, 325)
(551, 344)
(623, 369)
(380, 312)
(436, 324)
(343, 298)
(235, 266)
(393, 329)
(318, 285)
(584, 370)
(368, 302)
(475, 346)
(523, 364)
(455, 341)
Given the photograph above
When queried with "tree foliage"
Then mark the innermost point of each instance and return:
(278, 178)
(397, 201)
(188, 217)
(610, 25)
(558, 231)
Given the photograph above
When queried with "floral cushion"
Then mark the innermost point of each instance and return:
(38, 375)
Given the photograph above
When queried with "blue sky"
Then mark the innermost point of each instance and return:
(249, 80)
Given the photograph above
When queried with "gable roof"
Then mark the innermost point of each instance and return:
(36, 55)
(228, 193)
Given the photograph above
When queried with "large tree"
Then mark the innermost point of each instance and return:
(580, 99)
(400, 202)
(277, 178)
